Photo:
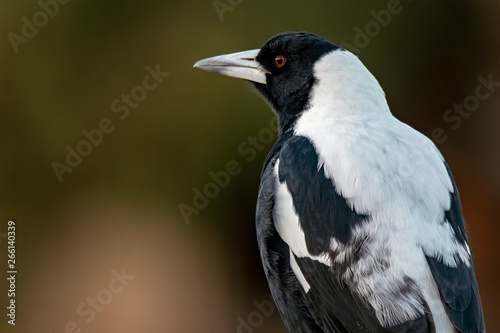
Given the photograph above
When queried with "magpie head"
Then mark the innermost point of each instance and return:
(298, 71)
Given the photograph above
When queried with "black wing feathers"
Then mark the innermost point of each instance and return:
(338, 309)
(458, 285)
(323, 213)
(275, 255)
(454, 214)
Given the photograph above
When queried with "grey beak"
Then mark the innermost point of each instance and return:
(241, 65)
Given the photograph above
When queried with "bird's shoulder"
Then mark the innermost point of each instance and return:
(374, 159)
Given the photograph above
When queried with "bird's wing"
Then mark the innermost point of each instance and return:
(275, 254)
(321, 214)
(458, 285)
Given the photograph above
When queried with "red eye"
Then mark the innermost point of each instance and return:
(279, 61)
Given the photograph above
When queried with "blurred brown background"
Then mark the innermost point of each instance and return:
(117, 212)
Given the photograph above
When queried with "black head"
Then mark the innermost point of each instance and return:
(289, 59)
(282, 71)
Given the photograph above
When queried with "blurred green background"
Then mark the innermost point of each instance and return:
(117, 212)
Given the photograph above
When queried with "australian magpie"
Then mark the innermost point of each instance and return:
(359, 222)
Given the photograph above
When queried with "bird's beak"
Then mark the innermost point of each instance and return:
(241, 65)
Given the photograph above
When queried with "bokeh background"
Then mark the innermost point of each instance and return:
(117, 212)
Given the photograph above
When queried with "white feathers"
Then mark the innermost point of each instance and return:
(383, 167)
(387, 171)
(287, 222)
(298, 273)
(344, 88)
